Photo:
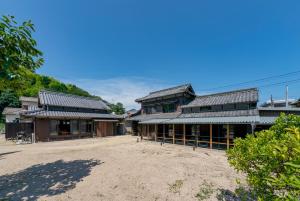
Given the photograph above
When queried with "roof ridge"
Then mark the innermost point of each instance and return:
(69, 95)
(228, 92)
(188, 84)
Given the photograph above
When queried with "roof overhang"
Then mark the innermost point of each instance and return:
(206, 120)
(106, 120)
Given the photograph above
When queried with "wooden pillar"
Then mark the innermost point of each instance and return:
(173, 134)
(142, 132)
(228, 132)
(155, 137)
(164, 133)
(183, 134)
(210, 136)
(148, 131)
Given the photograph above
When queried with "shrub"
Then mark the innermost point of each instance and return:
(271, 159)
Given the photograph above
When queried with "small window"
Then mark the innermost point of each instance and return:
(187, 110)
(229, 107)
(217, 108)
(252, 105)
(242, 106)
(205, 109)
(195, 109)
(168, 108)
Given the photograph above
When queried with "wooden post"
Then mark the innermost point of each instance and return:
(148, 131)
(141, 131)
(228, 132)
(173, 134)
(210, 136)
(183, 134)
(164, 133)
(155, 132)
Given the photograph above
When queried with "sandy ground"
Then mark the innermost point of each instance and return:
(110, 169)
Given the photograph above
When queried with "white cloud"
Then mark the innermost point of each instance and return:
(120, 89)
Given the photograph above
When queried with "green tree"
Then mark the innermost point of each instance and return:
(117, 108)
(17, 49)
(271, 159)
(8, 98)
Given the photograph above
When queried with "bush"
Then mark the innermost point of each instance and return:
(271, 160)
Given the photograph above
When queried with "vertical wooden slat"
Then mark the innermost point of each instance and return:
(210, 136)
(173, 134)
(155, 132)
(164, 133)
(228, 132)
(183, 134)
(148, 132)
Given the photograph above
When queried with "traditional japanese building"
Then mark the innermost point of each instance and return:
(178, 115)
(63, 116)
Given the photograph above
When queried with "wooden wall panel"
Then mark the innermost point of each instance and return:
(42, 129)
(104, 129)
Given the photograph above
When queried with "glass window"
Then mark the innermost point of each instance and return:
(206, 108)
(53, 127)
(252, 105)
(229, 107)
(85, 126)
(242, 106)
(75, 127)
(168, 108)
(217, 108)
(195, 110)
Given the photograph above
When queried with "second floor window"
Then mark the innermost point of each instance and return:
(168, 108)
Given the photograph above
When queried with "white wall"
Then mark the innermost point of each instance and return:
(11, 117)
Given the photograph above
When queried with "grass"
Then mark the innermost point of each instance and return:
(205, 191)
(176, 186)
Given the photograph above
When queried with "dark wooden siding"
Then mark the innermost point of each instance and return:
(42, 129)
(104, 129)
(12, 129)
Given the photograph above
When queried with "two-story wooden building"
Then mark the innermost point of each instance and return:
(177, 115)
(62, 116)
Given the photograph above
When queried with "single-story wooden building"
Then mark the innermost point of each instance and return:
(65, 116)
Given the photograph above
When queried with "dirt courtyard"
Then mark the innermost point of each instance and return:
(112, 169)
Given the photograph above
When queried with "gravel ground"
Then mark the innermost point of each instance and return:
(112, 169)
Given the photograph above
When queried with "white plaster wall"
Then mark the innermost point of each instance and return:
(11, 117)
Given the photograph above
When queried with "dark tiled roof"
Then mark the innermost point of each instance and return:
(12, 110)
(72, 115)
(238, 96)
(280, 109)
(144, 117)
(234, 113)
(167, 92)
(67, 100)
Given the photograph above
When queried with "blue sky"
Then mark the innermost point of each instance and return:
(121, 50)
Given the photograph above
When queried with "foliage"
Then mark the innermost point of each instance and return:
(205, 191)
(8, 99)
(176, 186)
(19, 59)
(271, 159)
(117, 108)
(2, 127)
(17, 48)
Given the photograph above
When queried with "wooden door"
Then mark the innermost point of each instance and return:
(105, 129)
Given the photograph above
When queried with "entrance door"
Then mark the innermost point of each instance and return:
(104, 129)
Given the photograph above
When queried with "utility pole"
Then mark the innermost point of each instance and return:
(286, 96)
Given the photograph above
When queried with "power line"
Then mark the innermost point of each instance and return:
(280, 83)
(248, 82)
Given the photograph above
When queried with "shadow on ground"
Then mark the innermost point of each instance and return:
(240, 194)
(7, 153)
(45, 179)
